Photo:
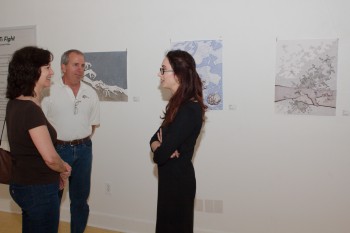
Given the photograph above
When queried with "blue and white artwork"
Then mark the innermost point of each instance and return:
(106, 72)
(208, 57)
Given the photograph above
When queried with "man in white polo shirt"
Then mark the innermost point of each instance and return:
(72, 107)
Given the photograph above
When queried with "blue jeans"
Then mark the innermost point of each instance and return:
(79, 157)
(40, 206)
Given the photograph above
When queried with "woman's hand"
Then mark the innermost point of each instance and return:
(176, 154)
(157, 144)
(63, 183)
(160, 136)
(68, 171)
(65, 175)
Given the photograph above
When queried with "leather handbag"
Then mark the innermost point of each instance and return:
(5, 163)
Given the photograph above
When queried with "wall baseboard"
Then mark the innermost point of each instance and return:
(107, 221)
(118, 223)
(113, 222)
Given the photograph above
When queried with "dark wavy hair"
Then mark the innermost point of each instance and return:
(190, 88)
(24, 70)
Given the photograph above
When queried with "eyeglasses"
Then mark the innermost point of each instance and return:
(162, 71)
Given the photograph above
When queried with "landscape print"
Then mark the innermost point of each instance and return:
(106, 72)
(306, 77)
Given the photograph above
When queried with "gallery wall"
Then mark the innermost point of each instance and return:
(257, 171)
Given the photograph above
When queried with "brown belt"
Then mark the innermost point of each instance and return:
(73, 142)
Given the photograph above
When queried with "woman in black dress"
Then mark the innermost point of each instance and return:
(174, 142)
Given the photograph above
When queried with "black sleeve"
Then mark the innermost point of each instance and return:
(177, 132)
(154, 137)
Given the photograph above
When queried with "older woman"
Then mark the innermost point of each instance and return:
(38, 171)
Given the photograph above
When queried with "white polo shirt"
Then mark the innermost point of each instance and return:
(71, 116)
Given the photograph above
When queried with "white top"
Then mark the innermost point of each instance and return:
(71, 116)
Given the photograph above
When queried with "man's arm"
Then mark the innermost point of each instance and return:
(93, 130)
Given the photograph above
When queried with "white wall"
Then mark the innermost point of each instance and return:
(274, 174)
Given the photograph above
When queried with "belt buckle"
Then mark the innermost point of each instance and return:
(73, 143)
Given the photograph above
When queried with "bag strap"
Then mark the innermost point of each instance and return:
(2, 131)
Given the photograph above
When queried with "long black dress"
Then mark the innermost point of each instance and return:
(176, 176)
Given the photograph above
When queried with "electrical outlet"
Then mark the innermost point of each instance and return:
(108, 188)
(209, 206)
(198, 204)
(214, 206)
(218, 206)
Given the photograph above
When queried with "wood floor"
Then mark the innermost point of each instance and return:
(12, 223)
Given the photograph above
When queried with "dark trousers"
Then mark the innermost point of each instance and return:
(79, 157)
(40, 207)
